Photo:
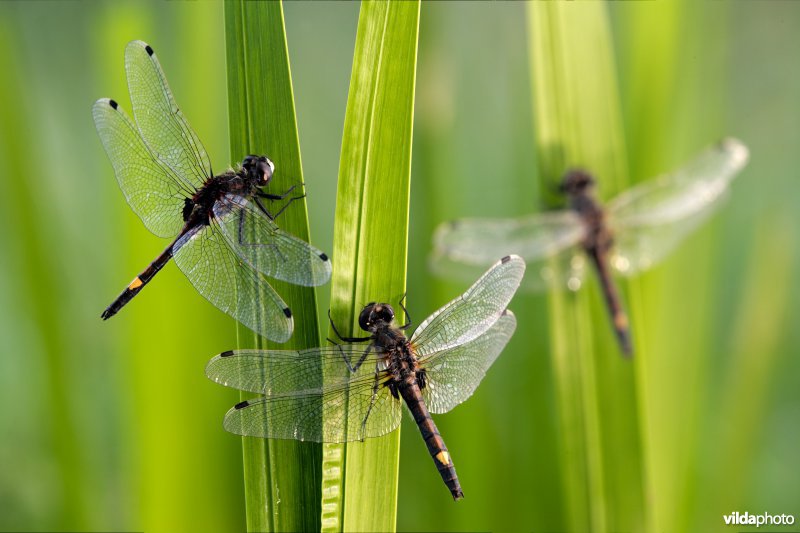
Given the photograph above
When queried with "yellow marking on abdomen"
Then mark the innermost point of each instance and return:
(621, 321)
(443, 457)
(135, 284)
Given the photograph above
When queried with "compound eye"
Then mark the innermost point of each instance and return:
(387, 313)
(364, 321)
(264, 172)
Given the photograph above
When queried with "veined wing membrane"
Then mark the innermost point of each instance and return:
(452, 375)
(472, 313)
(318, 415)
(649, 220)
(161, 123)
(464, 247)
(480, 241)
(230, 284)
(152, 190)
(278, 372)
(267, 248)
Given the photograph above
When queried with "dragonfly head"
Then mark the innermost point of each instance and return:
(375, 315)
(258, 168)
(576, 182)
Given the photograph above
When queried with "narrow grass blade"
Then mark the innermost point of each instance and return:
(578, 124)
(282, 478)
(371, 241)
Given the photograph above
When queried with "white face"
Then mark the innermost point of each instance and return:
(266, 175)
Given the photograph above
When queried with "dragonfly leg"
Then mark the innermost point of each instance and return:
(282, 209)
(346, 339)
(269, 196)
(408, 317)
(242, 242)
(361, 359)
(262, 208)
(372, 401)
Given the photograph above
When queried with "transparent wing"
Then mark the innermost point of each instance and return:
(230, 284)
(351, 406)
(567, 269)
(463, 248)
(278, 372)
(652, 218)
(267, 248)
(152, 190)
(480, 242)
(451, 376)
(161, 123)
(472, 313)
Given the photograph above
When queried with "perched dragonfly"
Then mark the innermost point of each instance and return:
(437, 369)
(224, 237)
(631, 233)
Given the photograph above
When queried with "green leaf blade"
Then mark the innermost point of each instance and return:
(282, 478)
(371, 241)
(578, 123)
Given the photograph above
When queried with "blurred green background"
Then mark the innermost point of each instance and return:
(113, 426)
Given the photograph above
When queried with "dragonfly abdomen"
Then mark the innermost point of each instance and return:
(139, 282)
(433, 440)
(619, 320)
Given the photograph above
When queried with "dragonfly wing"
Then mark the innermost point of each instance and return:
(472, 313)
(651, 219)
(164, 128)
(479, 241)
(277, 372)
(361, 408)
(230, 284)
(464, 247)
(267, 248)
(452, 375)
(565, 270)
(152, 190)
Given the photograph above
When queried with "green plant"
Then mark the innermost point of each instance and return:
(371, 240)
(262, 121)
(578, 123)
(353, 485)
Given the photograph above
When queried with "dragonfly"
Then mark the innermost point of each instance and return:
(222, 228)
(630, 234)
(349, 392)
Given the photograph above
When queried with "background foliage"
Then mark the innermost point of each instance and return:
(113, 425)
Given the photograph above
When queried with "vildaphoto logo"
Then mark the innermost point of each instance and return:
(746, 519)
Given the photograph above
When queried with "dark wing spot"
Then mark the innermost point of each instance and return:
(241, 405)
(226, 354)
(323, 257)
(287, 312)
(148, 50)
(506, 259)
(113, 104)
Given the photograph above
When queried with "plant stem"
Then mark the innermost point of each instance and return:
(371, 241)
(578, 124)
(282, 478)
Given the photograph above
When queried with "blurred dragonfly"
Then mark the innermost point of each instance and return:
(633, 232)
(437, 369)
(224, 238)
